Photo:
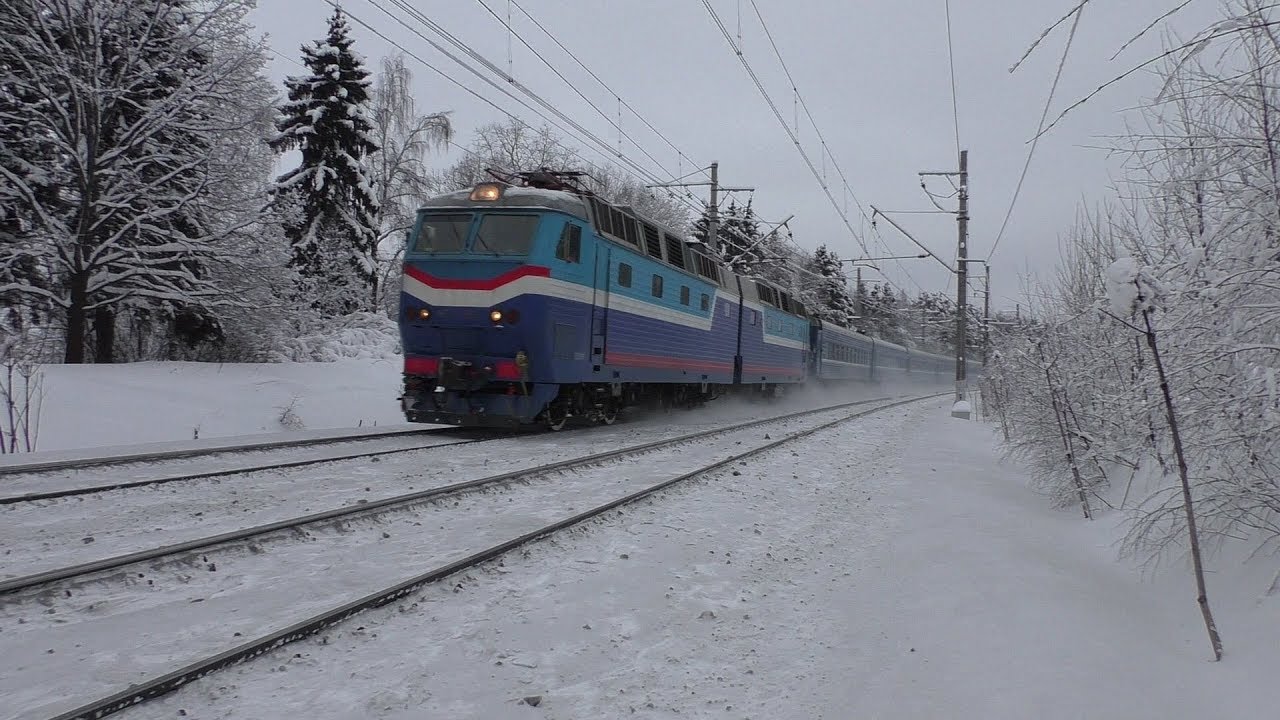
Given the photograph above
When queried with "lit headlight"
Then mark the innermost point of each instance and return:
(422, 313)
(486, 192)
(495, 315)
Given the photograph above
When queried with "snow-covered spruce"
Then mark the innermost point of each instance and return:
(333, 234)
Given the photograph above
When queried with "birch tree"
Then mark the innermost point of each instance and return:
(399, 168)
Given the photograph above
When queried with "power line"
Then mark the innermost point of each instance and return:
(951, 61)
(458, 83)
(470, 52)
(639, 171)
(603, 84)
(1039, 131)
(617, 126)
(282, 56)
(799, 98)
(724, 30)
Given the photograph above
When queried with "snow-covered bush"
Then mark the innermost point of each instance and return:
(21, 392)
(360, 335)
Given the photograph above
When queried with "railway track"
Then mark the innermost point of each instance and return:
(80, 571)
(71, 489)
(164, 684)
(20, 466)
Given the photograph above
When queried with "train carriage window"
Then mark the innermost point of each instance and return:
(569, 249)
(656, 286)
(751, 316)
(441, 233)
(624, 275)
(706, 302)
(505, 234)
(684, 295)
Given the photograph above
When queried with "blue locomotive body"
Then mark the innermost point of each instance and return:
(526, 304)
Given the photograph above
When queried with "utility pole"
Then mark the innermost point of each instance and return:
(857, 297)
(986, 318)
(962, 273)
(713, 210)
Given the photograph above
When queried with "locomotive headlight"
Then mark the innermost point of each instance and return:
(495, 315)
(423, 313)
(486, 192)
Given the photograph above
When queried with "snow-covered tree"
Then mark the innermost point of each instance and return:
(834, 303)
(334, 237)
(1151, 380)
(880, 313)
(399, 167)
(510, 146)
(115, 110)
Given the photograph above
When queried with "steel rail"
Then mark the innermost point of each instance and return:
(180, 454)
(33, 580)
(126, 484)
(169, 682)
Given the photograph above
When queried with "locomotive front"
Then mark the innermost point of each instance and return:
(478, 298)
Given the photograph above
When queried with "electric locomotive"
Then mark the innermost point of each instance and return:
(531, 300)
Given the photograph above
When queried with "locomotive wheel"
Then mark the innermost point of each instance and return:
(557, 415)
(609, 413)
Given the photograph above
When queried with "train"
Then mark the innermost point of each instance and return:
(530, 300)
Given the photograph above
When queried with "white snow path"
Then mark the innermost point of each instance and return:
(894, 570)
(107, 634)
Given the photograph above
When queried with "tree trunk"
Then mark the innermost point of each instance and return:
(76, 319)
(1202, 596)
(1059, 416)
(104, 331)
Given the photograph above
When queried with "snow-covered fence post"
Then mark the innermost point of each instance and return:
(1132, 290)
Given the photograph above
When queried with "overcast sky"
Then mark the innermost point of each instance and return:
(874, 73)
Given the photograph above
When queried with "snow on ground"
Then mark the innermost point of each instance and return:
(138, 624)
(887, 569)
(127, 404)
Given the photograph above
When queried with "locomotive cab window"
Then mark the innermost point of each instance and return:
(569, 249)
(656, 287)
(505, 234)
(624, 275)
(441, 233)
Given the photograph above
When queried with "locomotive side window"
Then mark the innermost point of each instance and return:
(505, 234)
(441, 233)
(706, 302)
(624, 275)
(656, 287)
(569, 249)
(684, 295)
